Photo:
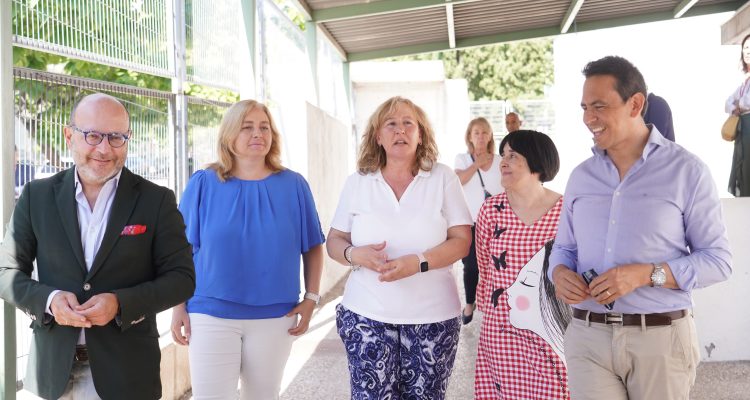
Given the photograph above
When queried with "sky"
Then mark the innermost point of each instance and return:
(682, 61)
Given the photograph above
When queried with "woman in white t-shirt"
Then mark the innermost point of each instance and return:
(479, 172)
(401, 223)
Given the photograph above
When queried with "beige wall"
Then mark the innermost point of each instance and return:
(721, 310)
(328, 148)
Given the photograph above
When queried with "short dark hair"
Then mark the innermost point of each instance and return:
(538, 149)
(628, 79)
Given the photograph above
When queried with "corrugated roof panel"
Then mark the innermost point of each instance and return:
(386, 42)
(709, 2)
(479, 18)
(321, 4)
(593, 10)
(390, 30)
(498, 16)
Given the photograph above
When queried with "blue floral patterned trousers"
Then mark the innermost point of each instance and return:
(397, 362)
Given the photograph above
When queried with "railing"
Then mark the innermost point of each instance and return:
(42, 109)
(536, 114)
(204, 117)
(126, 34)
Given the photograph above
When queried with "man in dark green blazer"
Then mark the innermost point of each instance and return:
(110, 253)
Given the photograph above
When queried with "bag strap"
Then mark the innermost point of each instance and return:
(479, 173)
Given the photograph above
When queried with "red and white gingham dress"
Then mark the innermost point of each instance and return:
(512, 363)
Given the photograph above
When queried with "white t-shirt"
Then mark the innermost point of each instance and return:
(368, 209)
(473, 188)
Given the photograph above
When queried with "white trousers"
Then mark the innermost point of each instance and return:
(254, 351)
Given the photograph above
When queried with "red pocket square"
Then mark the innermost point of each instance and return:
(131, 230)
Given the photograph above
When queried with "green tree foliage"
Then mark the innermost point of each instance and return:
(292, 12)
(38, 60)
(504, 71)
(34, 101)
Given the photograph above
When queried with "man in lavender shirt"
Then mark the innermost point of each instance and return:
(645, 215)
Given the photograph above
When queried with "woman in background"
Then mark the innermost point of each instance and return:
(739, 104)
(249, 220)
(479, 172)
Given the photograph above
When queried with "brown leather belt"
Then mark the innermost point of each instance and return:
(82, 353)
(660, 319)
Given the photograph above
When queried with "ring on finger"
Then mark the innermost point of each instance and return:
(608, 293)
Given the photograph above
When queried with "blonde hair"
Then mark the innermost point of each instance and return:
(230, 127)
(467, 138)
(372, 156)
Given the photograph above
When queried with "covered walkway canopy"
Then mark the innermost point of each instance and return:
(370, 29)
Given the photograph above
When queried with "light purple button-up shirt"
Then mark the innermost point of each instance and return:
(666, 209)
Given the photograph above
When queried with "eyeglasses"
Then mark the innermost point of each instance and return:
(93, 137)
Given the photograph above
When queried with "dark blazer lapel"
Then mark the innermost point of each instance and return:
(65, 197)
(125, 200)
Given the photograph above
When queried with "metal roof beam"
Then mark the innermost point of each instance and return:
(539, 32)
(683, 7)
(451, 25)
(570, 16)
(378, 7)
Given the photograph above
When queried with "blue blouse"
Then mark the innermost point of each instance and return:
(247, 239)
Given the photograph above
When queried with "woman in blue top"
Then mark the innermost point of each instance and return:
(249, 219)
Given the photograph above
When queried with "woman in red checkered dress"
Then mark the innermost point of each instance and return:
(520, 356)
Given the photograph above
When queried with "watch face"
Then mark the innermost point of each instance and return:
(424, 267)
(659, 277)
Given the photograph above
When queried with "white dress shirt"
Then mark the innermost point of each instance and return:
(92, 224)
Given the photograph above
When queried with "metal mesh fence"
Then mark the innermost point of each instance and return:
(42, 108)
(215, 42)
(204, 117)
(130, 34)
(538, 115)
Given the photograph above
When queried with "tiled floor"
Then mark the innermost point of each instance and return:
(317, 368)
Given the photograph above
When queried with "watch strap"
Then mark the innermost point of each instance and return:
(424, 266)
(312, 296)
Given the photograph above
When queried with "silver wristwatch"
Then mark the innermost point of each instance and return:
(313, 296)
(658, 276)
